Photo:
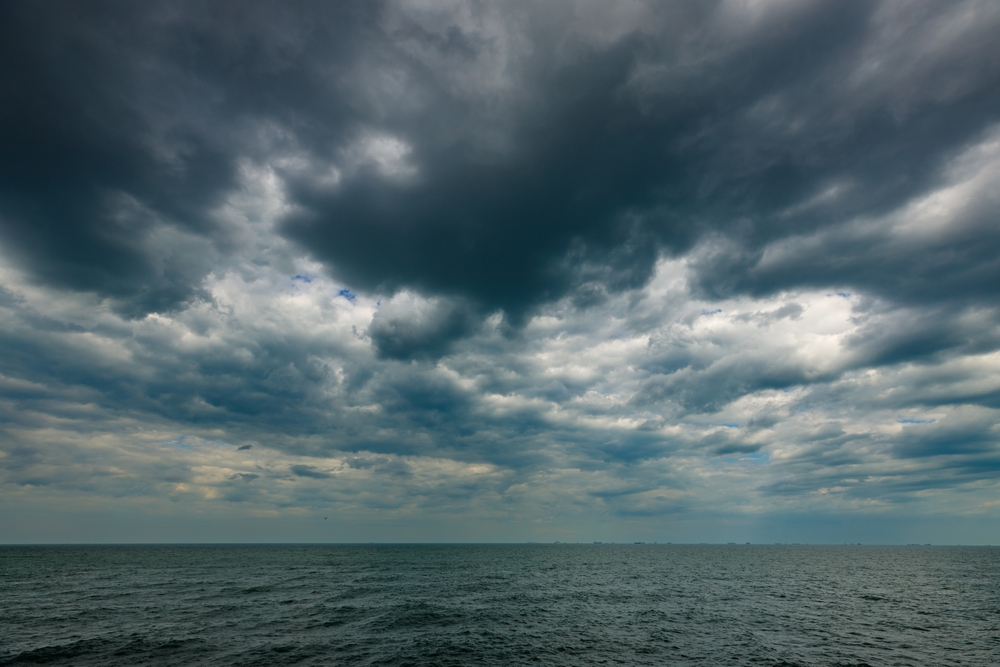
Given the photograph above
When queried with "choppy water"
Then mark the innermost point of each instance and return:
(499, 605)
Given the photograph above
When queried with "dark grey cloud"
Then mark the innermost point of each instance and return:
(507, 160)
(124, 130)
(624, 150)
(309, 471)
(401, 331)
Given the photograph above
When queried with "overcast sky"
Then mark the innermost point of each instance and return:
(443, 270)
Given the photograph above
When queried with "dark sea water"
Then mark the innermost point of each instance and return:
(499, 605)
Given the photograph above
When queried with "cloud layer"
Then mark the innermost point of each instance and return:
(501, 271)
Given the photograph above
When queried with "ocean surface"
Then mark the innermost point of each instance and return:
(499, 605)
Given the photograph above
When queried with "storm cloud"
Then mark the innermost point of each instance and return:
(534, 266)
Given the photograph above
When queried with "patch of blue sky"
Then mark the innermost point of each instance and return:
(187, 442)
(180, 442)
(916, 421)
(755, 458)
(711, 312)
(302, 277)
(347, 294)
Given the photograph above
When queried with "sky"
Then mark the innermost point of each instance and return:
(453, 270)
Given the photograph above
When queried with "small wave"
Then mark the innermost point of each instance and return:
(44, 655)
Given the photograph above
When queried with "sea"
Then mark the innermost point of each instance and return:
(534, 604)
